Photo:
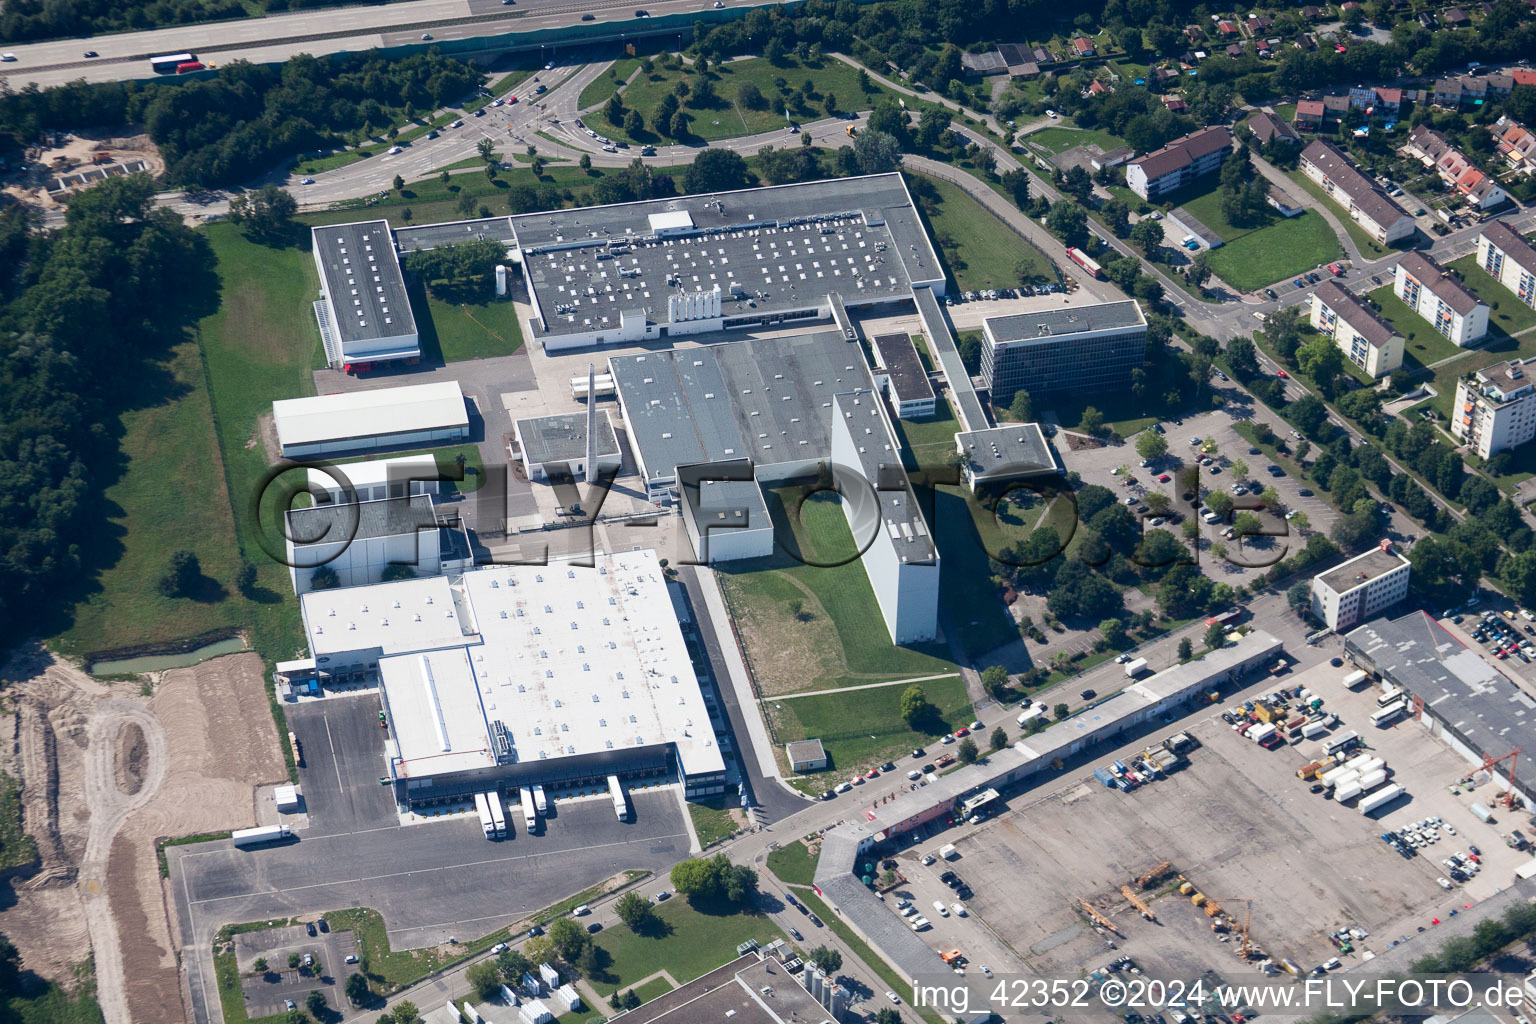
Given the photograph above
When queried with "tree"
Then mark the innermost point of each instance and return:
(181, 576)
(1219, 502)
(876, 152)
(916, 711)
(569, 938)
(513, 964)
(1246, 524)
(267, 214)
(357, 988)
(1158, 503)
(887, 1016)
(1186, 649)
(406, 1013)
(1092, 421)
(750, 96)
(1299, 596)
(634, 910)
(994, 679)
(1015, 182)
(1215, 634)
(484, 977)
(999, 739)
(1077, 184)
(585, 162)
(827, 961)
(1151, 445)
(294, 960)
(1322, 360)
(1354, 17)
(260, 966)
(889, 118)
(316, 1003)
(966, 751)
(1068, 222)
(1113, 631)
(1021, 408)
(466, 204)
(1148, 234)
(716, 170)
(1061, 711)
(634, 124)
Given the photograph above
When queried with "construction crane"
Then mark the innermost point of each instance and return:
(1136, 902)
(1245, 950)
(1103, 921)
(1513, 757)
(1147, 878)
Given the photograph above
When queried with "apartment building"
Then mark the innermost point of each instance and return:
(1495, 408)
(1179, 163)
(1366, 339)
(1361, 588)
(1366, 204)
(1436, 295)
(1505, 254)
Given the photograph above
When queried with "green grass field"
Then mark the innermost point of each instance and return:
(725, 117)
(1508, 313)
(973, 612)
(52, 1005)
(1366, 244)
(978, 249)
(712, 820)
(793, 864)
(465, 330)
(694, 943)
(1420, 339)
(1056, 141)
(862, 728)
(1277, 250)
(608, 83)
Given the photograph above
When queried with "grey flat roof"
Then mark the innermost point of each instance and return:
(897, 354)
(936, 328)
(563, 437)
(431, 236)
(767, 399)
(1475, 700)
(901, 516)
(769, 250)
(1372, 564)
(386, 517)
(363, 279)
(805, 750)
(1013, 449)
(1046, 324)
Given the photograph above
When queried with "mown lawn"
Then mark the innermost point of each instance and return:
(690, 943)
(1420, 339)
(713, 820)
(1508, 313)
(978, 249)
(725, 117)
(862, 728)
(1277, 249)
(453, 331)
(605, 85)
(1058, 140)
(1367, 245)
(793, 864)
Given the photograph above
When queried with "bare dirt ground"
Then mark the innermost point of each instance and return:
(30, 183)
(106, 773)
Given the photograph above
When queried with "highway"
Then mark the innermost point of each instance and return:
(333, 30)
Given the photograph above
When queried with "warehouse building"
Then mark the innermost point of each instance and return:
(556, 446)
(761, 257)
(1364, 337)
(895, 543)
(1014, 451)
(365, 542)
(1455, 692)
(416, 416)
(1073, 350)
(363, 311)
(1495, 408)
(1437, 296)
(1138, 706)
(1360, 588)
(726, 520)
(514, 675)
(900, 376)
(374, 479)
(1504, 253)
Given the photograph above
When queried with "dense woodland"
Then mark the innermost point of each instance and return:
(86, 313)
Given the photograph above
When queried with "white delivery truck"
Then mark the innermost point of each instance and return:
(616, 791)
(248, 837)
(1381, 798)
(1260, 733)
(1374, 779)
(1355, 678)
(487, 823)
(539, 800)
(1136, 668)
(530, 811)
(498, 813)
(1312, 730)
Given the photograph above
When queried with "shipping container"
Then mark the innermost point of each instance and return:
(1348, 791)
(1483, 814)
(1103, 775)
(1381, 798)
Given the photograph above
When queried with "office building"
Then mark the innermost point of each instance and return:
(363, 312)
(1508, 257)
(1179, 163)
(1000, 455)
(900, 375)
(1361, 588)
(1366, 204)
(1365, 338)
(1495, 408)
(1436, 295)
(1068, 351)
(558, 446)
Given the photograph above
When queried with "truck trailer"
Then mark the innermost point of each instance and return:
(1372, 780)
(539, 800)
(1312, 730)
(1381, 798)
(487, 823)
(1260, 733)
(1354, 679)
(498, 813)
(1348, 790)
(615, 790)
(248, 837)
(530, 809)
(1135, 668)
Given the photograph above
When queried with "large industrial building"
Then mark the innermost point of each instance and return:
(666, 268)
(998, 455)
(1073, 350)
(1456, 693)
(363, 311)
(1495, 408)
(1360, 588)
(900, 375)
(352, 422)
(557, 446)
(513, 675)
(364, 541)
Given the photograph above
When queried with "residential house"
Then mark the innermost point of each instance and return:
(1312, 13)
(1426, 145)
(1362, 98)
(1235, 50)
(1335, 107)
(1448, 93)
(1367, 205)
(1498, 86)
(1175, 104)
(1454, 167)
(1389, 102)
(1194, 33)
(1435, 294)
(1365, 338)
(1267, 128)
(1510, 259)
(1455, 17)
(1097, 88)
(1084, 47)
(1523, 76)
(1257, 26)
(1480, 190)
(1041, 55)
(1180, 162)
(1307, 42)
(1516, 144)
(1309, 115)
(1227, 28)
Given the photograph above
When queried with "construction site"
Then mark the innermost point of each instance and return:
(1232, 864)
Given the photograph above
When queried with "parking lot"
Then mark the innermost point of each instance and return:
(265, 994)
(1119, 468)
(344, 758)
(1521, 669)
(1240, 825)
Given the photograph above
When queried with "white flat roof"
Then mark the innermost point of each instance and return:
(373, 472)
(370, 413)
(393, 618)
(670, 220)
(434, 706)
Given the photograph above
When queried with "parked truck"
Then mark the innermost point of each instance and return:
(539, 800)
(1333, 775)
(1381, 798)
(1136, 668)
(248, 837)
(616, 791)
(487, 823)
(1260, 733)
(1373, 780)
(530, 809)
(1483, 814)
(1312, 730)
(1348, 790)
(1369, 765)
(498, 813)
(1355, 678)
